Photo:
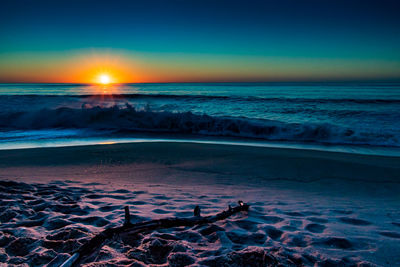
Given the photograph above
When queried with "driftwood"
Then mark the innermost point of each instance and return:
(100, 239)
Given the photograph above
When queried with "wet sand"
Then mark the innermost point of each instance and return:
(307, 207)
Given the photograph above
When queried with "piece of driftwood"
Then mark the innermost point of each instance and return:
(100, 239)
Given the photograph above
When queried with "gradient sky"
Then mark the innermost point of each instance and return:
(199, 41)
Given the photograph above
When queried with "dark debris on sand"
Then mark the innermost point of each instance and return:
(42, 225)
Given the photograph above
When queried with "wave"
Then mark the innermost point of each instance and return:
(128, 119)
(212, 97)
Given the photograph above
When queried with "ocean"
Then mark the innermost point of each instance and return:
(325, 115)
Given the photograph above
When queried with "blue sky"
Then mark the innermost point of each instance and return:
(263, 40)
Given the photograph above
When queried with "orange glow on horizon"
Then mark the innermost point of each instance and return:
(87, 65)
(102, 69)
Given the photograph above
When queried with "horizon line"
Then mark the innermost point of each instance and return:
(216, 82)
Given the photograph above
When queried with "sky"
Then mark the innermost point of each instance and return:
(199, 41)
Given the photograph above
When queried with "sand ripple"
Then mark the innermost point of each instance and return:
(42, 224)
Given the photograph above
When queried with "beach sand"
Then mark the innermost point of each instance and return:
(306, 207)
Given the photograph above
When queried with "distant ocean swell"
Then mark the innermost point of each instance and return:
(208, 98)
(128, 119)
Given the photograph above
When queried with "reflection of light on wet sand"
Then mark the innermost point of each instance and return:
(107, 143)
(64, 142)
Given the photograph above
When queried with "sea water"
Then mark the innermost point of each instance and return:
(324, 115)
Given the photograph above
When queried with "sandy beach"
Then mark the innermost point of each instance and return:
(306, 207)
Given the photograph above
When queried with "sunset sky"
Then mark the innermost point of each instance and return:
(199, 41)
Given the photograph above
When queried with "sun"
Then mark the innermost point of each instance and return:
(104, 79)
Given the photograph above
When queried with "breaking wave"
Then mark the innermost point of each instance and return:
(128, 119)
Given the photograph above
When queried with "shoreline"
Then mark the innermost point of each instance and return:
(263, 162)
(70, 142)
